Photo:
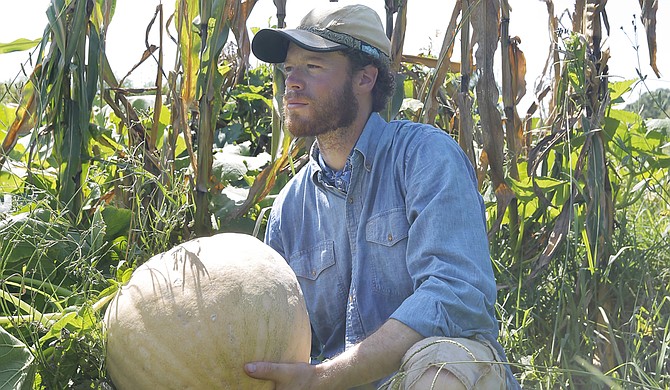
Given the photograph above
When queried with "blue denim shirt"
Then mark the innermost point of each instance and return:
(407, 241)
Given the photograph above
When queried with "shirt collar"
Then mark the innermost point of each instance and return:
(369, 139)
(366, 144)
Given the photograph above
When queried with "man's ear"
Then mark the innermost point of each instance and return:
(367, 77)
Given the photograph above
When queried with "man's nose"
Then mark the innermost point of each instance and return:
(294, 80)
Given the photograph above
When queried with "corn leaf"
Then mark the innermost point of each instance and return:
(20, 44)
(649, 9)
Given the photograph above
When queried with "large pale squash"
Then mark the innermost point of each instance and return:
(191, 317)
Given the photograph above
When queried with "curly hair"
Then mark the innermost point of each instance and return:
(385, 84)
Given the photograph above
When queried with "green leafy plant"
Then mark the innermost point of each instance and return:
(102, 176)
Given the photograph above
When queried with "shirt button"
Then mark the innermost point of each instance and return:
(313, 272)
(390, 237)
(350, 200)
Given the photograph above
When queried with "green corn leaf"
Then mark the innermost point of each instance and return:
(20, 44)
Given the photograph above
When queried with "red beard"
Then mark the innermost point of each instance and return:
(336, 110)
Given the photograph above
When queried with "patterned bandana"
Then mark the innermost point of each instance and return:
(338, 179)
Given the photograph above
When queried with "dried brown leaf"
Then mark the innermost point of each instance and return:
(557, 236)
(485, 22)
(24, 121)
(443, 66)
(578, 16)
(398, 39)
(454, 67)
(25, 117)
(465, 133)
(281, 12)
(649, 9)
(518, 67)
(504, 196)
(238, 13)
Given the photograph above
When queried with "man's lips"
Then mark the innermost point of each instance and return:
(295, 103)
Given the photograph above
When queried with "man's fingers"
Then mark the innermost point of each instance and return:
(286, 376)
(263, 370)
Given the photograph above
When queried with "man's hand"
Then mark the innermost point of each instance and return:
(372, 359)
(286, 376)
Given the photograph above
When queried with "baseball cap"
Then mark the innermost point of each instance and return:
(327, 29)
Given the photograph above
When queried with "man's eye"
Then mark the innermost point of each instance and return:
(313, 66)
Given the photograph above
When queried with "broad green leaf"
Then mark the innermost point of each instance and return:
(124, 275)
(224, 68)
(619, 88)
(181, 145)
(7, 116)
(248, 96)
(103, 146)
(524, 189)
(227, 202)
(117, 221)
(164, 118)
(20, 44)
(9, 182)
(103, 13)
(645, 143)
(611, 126)
(522, 168)
(408, 88)
(45, 179)
(17, 370)
(396, 101)
(98, 236)
(626, 117)
(75, 320)
(24, 225)
(228, 111)
(228, 134)
(660, 162)
(228, 166)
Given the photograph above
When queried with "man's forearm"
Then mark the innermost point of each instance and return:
(372, 359)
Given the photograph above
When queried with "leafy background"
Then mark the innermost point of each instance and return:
(103, 174)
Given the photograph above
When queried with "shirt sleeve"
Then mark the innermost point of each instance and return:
(447, 250)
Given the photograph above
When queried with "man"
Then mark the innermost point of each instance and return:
(384, 227)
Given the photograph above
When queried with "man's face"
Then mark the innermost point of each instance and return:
(319, 93)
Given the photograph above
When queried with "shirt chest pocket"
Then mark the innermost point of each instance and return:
(310, 263)
(387, 228)
(387, 234)
(319, 280)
